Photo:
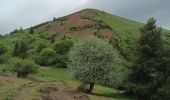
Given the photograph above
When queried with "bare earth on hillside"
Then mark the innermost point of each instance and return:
(76, 20)
(46, 90)
(61, 92)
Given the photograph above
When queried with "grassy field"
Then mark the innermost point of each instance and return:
(12, 88)
(63, 75)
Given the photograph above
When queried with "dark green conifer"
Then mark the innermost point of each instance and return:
(144, 78)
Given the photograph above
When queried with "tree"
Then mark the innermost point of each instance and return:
(14, 31)
(1, 36)
(163, 92)
(143, 80)
(31, 30)
(20, 49)
(91, 61)
(54, 19)
(21, 28)
(3, 49)
(16, 51)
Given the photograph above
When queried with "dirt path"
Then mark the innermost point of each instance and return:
(61, 92)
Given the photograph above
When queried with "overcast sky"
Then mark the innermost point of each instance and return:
(26, 13)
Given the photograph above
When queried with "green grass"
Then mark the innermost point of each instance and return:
(63, 75)
(54, 74)
(10, 91)
(128, 31)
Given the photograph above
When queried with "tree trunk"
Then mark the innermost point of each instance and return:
(91, 88)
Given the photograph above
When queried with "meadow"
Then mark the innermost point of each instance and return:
(13, 88)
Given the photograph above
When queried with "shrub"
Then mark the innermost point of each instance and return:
(23, 67)
(47, 57)
(74, 28)
(63, 46)
(41, 45)
(5, 68)
(4, 58)
(62, 49)
(98, 34)
(92, 61)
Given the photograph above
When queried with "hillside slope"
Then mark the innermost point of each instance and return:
(123, 32)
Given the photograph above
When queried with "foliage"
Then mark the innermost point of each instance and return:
(3, 49)
(47, 57)
(144, 77)
(163, 92)
(62, 18)
(4, 58)
(23, 67)
(98, 34)
(62, 48)
(14, 31)
(92, 61)
(4, 68)
(101, 25)
(20, 49)
(75, 28)
(31, 30)
(41, 45)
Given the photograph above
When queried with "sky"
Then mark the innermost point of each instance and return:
(27, 13)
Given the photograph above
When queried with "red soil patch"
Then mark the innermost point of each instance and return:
(75, 20)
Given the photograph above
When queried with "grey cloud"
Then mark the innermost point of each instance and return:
(26, 13)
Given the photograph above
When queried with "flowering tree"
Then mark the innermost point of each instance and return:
(92, 61)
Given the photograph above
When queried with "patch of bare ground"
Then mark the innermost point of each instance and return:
(76, 20)
(6, 81)
(24, 90)
(60, 92)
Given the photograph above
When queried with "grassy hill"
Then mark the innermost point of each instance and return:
(122, 33)
(86, 22)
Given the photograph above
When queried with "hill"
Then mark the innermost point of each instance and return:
(47, 45)
(122, 31)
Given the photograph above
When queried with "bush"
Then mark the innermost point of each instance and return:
(62, 49)
(61, 60)
(4, 58)
(5, 69)
(63, 46)
(41, 45)
(47, 57)
(74, 28)
(23, 67)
